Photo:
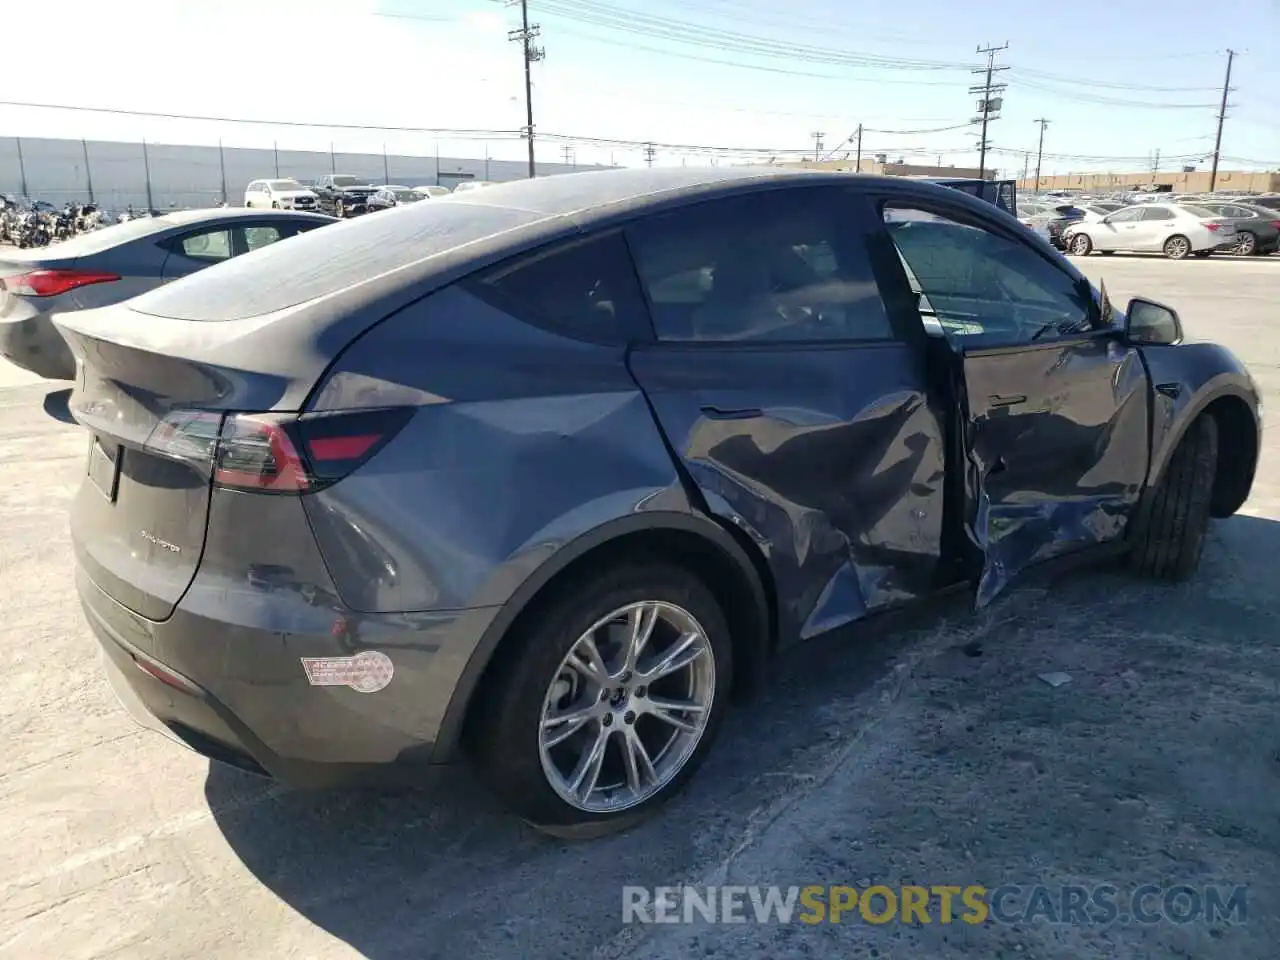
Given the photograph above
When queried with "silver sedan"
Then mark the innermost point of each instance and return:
(116, 263)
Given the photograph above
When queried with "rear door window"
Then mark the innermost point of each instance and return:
(787, 266)
(585, 289)
(262, 236)
(208, 245)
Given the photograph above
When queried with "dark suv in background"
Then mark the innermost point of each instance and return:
(343, 194)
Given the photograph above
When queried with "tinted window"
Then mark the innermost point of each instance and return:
(586, 289)
(207, 245)
(323, 262)
(783, 266)
(255, 237)
(1157, 213)
(981, 286)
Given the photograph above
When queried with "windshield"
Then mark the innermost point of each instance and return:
(344, 181)
(1066, 210)
(285, 185)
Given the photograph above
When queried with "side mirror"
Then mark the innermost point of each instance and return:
(1153, 323)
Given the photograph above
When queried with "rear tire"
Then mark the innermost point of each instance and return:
(1177, 247)
(507, 731)
(1246, 243)
(1172, 531)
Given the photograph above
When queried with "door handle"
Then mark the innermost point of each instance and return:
(1011, 401)
(732, 413)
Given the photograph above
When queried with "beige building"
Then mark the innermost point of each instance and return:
(1246, 181)
(872, 165)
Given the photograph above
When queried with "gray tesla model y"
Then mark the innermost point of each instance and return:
(544, 474)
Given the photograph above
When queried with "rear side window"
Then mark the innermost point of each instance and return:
(586, 289)
(786, 266)
(323, 262)
(1157, 213)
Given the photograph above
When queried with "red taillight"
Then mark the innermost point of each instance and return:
(272, 453)
(1276, 224)
(1213, 227)
(50, 283)
(255, 453)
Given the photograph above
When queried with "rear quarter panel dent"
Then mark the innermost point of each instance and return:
(529, 441)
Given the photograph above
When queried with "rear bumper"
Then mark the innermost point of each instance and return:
(239, 694)
(33, 343)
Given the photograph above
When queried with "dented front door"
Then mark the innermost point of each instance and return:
(1056, 440)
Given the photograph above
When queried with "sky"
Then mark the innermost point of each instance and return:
(711, 81)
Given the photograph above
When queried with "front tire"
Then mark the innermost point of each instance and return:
(607, 702)
(338, 210)
(1177, 247)
(1080, 245)
(1172, 531)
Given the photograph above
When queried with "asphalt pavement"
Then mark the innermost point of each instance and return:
(927, 751)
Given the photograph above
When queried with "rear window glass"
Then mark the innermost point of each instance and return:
(322, 262)
(586, 289)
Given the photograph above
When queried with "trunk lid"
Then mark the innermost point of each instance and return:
(152, 403)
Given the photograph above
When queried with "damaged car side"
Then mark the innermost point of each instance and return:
(544, 474)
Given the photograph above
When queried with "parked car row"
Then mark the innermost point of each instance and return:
(1177, 226)
(545, 482)
(341, 195)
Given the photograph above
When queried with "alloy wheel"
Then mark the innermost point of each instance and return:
(627, 707)
(1177, 247)
(1080, 245)
(1247, 244)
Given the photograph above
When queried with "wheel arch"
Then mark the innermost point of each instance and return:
(733, 570)
(1238, 445)
(1237, 454)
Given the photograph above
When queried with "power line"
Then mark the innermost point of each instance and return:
(692, 34)
(460, 134)
(740, 65)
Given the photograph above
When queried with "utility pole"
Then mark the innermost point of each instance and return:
(386, 166)
(275, 152)
(649, 153)
(1155, 164)
(525, 37)
(1222, 115)
(146, 166)
(88, 173)
(817, 145)
(1026, 164)
(857, 163)
(989, 104)
(222, 170)
(1040, 150)
(22, 167)
(333, 162)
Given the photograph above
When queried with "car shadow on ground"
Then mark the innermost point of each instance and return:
(445, 873)
(56, 405)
